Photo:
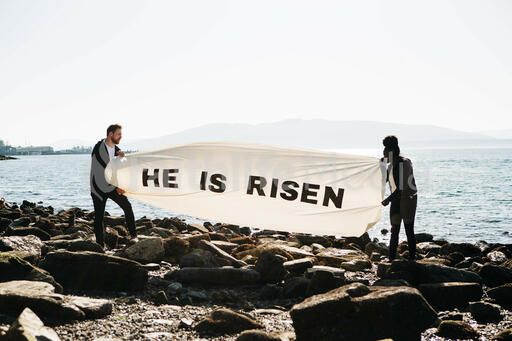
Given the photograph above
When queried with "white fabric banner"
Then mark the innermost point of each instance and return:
(256, 185)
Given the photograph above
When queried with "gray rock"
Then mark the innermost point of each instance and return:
(28, 327)
(228, 276)
(451, 295)
(225, 321)
(14, 268)
(26, 247)
(419, 273)
(270, 267)
(72, 245)
(41, 298)
(146, 250)
(358, 312)
(456, 330)
(95, 271)
(484, 312)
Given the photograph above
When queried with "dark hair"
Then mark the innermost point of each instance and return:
(391, 143)
(113, 127)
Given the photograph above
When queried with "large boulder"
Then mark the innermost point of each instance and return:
(467, 249)
(95, 271)
(27, 231)
(226, 275)
(485, 312)
(200, 258)
(502, 295)
(14, 268)
(26, 247)
(495, 275)
(452, 294)
(41, 298)
(146, 250)
(358, 312)
(29, 327)
(417, 273)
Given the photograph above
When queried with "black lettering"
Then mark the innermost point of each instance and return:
(292, 194)
(336, 199)
(167, 178)
(306, 192)
(273, 190)
(217, 185)
(146, 177)
(204, 174)
(261, 182)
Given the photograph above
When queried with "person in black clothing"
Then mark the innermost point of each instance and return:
(403, 197)
(102, 153)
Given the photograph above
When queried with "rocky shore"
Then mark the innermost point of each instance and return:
(180, 281)
(4, 157)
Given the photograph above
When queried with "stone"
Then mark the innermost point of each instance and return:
(20, 222)
(429, 247)
(423, 237)
(323, 280)
(29, 327)
(41, 298)
(146, 250)
(450, 295)
(418, 273)
(391, 283)
(220, 254)
(26, 247)
(14, 268)
(225, 321)
(307, 239)
(95, 271)
(485, 312)
(502, 294)
(467, 249)
(200, 258)
(72, 245)
(298, 266)
(495, 275)
(160, 298)
(270, 267)
(226, 275)
(358, 312)
(175, 248)
(26, 231)
(456, 330)
(259, 335)
(296, 287)
(224, 245)
(356, 265)
(497, 257)
(376, 248)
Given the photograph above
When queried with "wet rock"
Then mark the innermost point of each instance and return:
(226, 321)
(20, 222)
(484, 312)
(495, 275)
(25, 247)
(418, 273)
(467, 249)
(41, 298)
(72, 245)
(10, 214)
(29, 327)
(456, 330)
(502, 295)
(358, 312)
(95, 271)
(270, 267)
(14, 268)
(298, 266)
(26, 231)
(226, 275)
(146, 250)
(452, 294)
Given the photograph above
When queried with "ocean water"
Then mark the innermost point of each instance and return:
(464, 195)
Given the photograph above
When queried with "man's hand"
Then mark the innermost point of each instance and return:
(120, 191)
(120, 153)
(385, 202)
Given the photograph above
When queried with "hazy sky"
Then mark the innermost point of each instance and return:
(70, 68)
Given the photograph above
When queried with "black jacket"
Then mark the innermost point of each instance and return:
(99, 160)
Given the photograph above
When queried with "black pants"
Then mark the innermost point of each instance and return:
(396, 220)
(99, 212)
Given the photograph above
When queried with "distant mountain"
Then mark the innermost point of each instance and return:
(499, 134)
(323, 134)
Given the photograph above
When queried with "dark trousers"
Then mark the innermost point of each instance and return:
(396, 220)
(99, 212)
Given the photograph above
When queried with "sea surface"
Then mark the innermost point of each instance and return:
(464, 195)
